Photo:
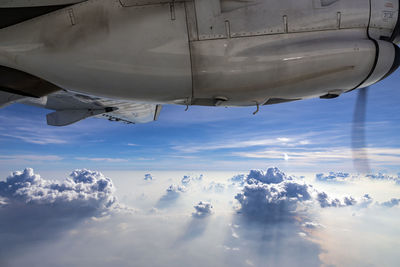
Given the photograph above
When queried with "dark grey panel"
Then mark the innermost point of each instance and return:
(24, 84)
(12, 16)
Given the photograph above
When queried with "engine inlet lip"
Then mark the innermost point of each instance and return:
(396, 62)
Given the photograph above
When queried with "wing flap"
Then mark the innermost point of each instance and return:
(70, 108)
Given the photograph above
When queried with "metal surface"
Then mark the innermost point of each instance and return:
(297, 66)
(12, 16)
(106, 50)
(36, 3)
(72, 107)
(262, 17)
(385, 60)
(208, 52)
(383, 18)
(24, 84)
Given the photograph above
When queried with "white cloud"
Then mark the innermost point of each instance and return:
(83, 188)
(34, 210)
(19, 158)
(175, 189)
(332, 177)
(271, 196)
(382, 176)
(36, 138)
(203, 209)
(187, 179)
(35, 131)
(148, 177)
(365, 201)
(349, 201)
(315, 155)
(285, 156)
(215, 187)
(325, 201)
(239, 178)
(271, 176)
(246, 142)
(311, 225)
(110, 160)
(171, 195)
(3, 201)
(391, 203)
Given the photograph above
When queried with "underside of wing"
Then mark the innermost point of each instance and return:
(70, 108)
(35, 3)
(16, 11)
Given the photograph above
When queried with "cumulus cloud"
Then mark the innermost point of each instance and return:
(215, 187)
(332, 176)
(382, 176)
(238, 179)
(350, 201)
(187, 179)
(391, 203)
(365, 201)
(3, 202)
(175, 189)
(203, 209)
(148, 177)
(82, 188)
(34, 209)
(325, 201)
(271, 176)
(311, 225)
(172, 194)
(271, 196)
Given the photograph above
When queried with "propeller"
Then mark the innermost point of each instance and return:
(360, 155)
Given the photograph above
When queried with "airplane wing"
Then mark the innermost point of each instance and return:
(70, 108)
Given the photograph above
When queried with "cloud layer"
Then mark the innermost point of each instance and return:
(332, 176)
(203, 209)
(82, 188)
(34, 210)
(271, 196)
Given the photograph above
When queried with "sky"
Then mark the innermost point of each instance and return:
(312, 135)
(203, 187)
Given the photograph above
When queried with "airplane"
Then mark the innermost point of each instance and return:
(123, 59)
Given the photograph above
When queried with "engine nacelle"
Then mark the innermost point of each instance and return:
(386, 62)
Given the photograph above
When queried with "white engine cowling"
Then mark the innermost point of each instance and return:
(386, 62)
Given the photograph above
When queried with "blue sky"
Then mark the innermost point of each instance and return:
(313, 135)
(260, 217)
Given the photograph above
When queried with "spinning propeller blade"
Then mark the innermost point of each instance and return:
(360, 155)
